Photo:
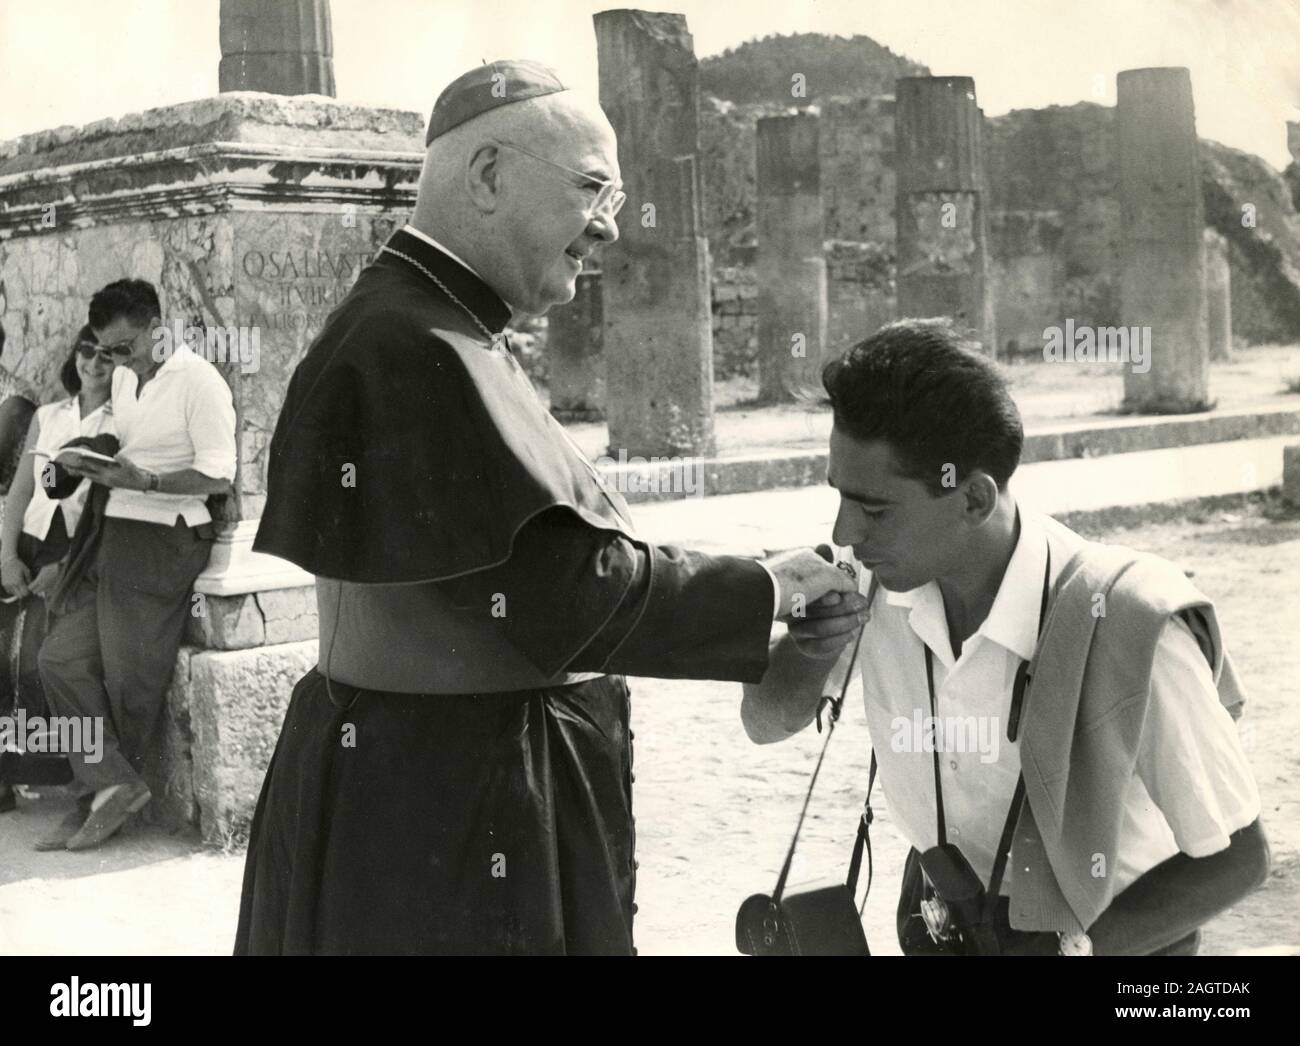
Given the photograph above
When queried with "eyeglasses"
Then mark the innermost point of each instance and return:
(608, 194)
(108, 353)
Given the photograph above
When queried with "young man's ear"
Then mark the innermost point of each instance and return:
(979, 493)
(481, 177)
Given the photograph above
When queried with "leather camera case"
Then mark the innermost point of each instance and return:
(818, 918)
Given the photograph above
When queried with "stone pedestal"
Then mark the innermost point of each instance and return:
(941, 204)
(575, 363)
(1161, 249)
(658, 339)
(252, 214)
(278, 46)
(1218, 297)
(791, 266)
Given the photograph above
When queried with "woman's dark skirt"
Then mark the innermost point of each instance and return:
(23, 625)
(444, 824)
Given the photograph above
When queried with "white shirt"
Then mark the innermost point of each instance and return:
(1192, 785)
(183, 419)
(58, 423)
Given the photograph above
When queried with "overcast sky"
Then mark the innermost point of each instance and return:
(74, 61)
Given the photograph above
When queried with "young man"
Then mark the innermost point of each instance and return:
(111, 650)
(1140, 817)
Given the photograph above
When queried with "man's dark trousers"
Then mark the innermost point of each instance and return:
(111, 654)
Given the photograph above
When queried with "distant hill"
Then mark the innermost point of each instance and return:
(762, 70)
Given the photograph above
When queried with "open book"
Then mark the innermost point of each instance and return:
(76, 455)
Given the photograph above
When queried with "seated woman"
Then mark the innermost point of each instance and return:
(17, 405)
(36, 528)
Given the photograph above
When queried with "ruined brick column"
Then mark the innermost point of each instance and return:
(791, 265)
(1218, 296)
(658, 337)
(277, 46)
(1161, 251)
(941, 204)
(856, 157)
(576, 366)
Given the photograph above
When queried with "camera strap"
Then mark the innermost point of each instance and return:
(1018, 690)
(836, 704)
(863, 841)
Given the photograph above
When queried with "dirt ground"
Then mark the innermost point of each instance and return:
(714, 812)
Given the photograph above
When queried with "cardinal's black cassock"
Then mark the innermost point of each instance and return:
(455, 775)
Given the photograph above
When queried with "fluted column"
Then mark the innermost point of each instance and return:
(942, 202)
(277, 46)
(1162, 255)
(658, 338)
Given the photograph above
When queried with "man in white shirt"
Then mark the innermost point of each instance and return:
(925, 441)
(111, 652)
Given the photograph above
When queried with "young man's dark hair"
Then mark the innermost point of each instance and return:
(134, 299)
(913, 385)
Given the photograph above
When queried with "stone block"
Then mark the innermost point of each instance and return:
(236, 701)
(225, 622)
(289, 614)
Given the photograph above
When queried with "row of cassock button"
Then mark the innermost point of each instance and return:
(631, 775)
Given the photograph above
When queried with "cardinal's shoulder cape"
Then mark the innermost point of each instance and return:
(410, 447)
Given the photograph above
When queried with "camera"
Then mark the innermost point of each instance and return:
(937, 919)
(956, 916)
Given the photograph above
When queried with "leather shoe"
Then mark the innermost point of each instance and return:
(103, 822)
(68, 827)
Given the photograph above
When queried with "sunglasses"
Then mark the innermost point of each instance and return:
(89, 350)
(608, 194)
